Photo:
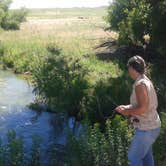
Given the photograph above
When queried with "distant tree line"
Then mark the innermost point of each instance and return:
(11, 19)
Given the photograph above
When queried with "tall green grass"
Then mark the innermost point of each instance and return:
(77, 37)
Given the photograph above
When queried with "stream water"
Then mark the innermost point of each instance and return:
(15, 95)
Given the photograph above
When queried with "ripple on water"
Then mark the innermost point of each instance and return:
(15, 94)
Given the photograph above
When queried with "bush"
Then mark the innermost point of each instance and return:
(97, 148)
(61, 82)
(19, 15)
(53, 48)
(105, 96)
(158, 17)
(11, 19)
(101, 149)
(133, 19)
(10, 22)
(160, 146)
(64, 83)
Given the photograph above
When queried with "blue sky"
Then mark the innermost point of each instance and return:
(58, 3)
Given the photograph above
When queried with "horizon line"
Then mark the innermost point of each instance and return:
(59, 7)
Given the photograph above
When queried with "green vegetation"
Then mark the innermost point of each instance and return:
(160, 146)
(141, 24)
(74, 85)
(21, 49)
(110, 147)
(58, 52)
(10, 19)
(12, 153)
(92, 148)
(133, 19)
(101, 149)
(61, 81)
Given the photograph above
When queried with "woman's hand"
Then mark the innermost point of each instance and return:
(122, 109)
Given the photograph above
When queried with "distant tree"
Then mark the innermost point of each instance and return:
(158, 17)
(11, 19)
(135, 18)
(131, 18)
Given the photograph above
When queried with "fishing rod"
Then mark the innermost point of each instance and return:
(114, 112)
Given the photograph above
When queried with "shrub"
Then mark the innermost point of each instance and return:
(61, 82)
(11, 19)
(106, 95)
(101, 149)
(10, 23)
(110, 147)
(133, 19)
(160, 146)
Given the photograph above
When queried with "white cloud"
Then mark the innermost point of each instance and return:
(58, 3)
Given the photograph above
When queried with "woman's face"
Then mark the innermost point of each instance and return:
(132, 72)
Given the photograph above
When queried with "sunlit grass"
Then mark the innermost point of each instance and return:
(76, 31)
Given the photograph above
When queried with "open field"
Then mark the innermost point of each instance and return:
(67, 13)
(76, 31)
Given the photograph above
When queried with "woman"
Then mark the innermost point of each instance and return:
(143, 114)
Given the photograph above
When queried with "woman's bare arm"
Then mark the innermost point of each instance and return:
(142, 100)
